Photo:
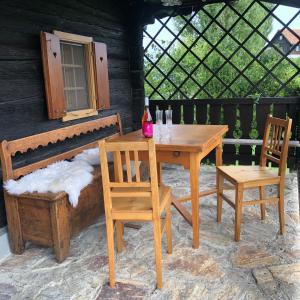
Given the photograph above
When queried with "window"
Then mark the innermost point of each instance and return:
(76, 75)
(298, 48)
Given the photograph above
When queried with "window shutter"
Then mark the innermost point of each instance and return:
(53, 76)
(101, 70)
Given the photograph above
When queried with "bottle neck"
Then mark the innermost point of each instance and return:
(146, 101)
(147, 116)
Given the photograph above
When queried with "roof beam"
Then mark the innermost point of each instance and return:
(293, 3)
(151, 9)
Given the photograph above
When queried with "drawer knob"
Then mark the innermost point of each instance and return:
(176, 153)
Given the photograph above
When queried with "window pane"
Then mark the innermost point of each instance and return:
(75, 76)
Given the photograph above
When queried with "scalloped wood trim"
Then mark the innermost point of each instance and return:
(51, 137)
(8, 149)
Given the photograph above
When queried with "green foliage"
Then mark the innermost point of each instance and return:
(200, 62)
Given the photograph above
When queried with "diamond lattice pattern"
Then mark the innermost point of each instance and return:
(222, 51)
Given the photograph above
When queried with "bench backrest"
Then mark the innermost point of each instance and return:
(8, 149)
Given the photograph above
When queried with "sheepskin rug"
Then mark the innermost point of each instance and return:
(91, 156)
(62, 176)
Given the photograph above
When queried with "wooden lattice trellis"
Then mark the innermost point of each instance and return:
(164, 76)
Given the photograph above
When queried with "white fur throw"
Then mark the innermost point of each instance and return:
(62, 176)
(91, 156)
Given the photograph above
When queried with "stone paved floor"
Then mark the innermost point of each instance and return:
(263, 265)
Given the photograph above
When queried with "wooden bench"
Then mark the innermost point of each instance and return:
(49, 219)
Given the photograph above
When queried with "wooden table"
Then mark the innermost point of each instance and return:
(187, 146)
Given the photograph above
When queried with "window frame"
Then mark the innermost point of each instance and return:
(96, 75)
(91, 80)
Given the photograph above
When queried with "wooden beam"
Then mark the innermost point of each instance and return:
(228, 201)
(183, 211)
(260, 201)
(204, 193)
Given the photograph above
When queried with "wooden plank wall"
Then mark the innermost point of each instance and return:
(23, 109)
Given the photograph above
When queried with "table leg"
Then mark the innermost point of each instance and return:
(219, 161)
(194, 182)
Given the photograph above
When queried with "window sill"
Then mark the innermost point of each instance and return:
(78, 114)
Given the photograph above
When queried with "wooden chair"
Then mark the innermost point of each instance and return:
(274, 149)
(126, 199)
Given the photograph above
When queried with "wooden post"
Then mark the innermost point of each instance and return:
(238, 211)
(136, 52)
(298, 177)
(194, 182)
(60, 228)
(6, 161)
(17, 244)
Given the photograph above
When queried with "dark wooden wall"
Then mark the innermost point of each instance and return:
(23, 108)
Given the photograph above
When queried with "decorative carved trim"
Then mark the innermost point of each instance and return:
(51, 137)
(8, 149)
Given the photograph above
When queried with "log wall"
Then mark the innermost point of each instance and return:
(23, 108)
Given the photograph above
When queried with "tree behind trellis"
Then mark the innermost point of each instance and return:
(211, 76)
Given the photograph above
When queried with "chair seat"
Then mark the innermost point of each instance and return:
(248, 174)
(139, 203)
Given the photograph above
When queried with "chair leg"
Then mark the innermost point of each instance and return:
(238, 212)
(159, 173)
(262, 195)
(220, 184)
(281, 208)
(119, 234)
(158, 254)
(110, 251)
(169, 229)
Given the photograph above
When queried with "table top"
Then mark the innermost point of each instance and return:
(190, 138)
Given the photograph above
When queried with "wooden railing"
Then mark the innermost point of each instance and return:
(246, 120)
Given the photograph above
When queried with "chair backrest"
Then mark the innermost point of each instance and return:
(128, 186)
(276, 142)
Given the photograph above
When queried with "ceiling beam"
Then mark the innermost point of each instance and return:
(293, 3)
(151, 9)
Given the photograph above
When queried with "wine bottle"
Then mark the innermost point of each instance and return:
(147, 123)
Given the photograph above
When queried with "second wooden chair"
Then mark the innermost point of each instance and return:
(274, 149)
(126, 199)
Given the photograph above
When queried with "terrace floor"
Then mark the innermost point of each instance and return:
(263, 265)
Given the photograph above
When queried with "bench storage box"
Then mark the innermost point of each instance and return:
(48, 219)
